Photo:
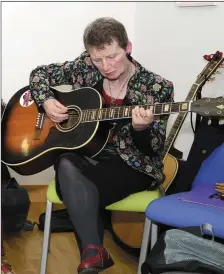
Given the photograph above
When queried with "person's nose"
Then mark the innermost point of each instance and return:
(106, 65)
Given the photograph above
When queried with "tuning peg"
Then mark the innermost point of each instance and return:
(219, 53)
(212, 79)
(208, 57)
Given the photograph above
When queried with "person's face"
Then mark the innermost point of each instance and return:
(111, 60)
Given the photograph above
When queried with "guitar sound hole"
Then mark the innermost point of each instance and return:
(74, 117)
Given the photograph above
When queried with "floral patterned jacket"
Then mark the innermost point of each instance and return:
(144, 87)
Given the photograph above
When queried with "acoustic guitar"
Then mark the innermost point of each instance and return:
(128, 227)
(30, 138)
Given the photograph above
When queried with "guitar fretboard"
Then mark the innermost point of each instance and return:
(178, 122)
(120, 112)
(206, 73)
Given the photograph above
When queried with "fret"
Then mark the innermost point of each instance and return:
(108, 113)
(115, 112)
(83, 115)
(126, 112)
(99, 114)
(120, 111)
(89, 115)
(86, 111)
(93, 115)
(86, 115)
(105, 113)
(112, 111)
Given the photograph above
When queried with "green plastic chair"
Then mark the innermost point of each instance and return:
(136, 202)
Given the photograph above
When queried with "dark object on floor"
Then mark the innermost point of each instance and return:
(15, 205)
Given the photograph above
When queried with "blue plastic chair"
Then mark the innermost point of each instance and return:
(171, 211)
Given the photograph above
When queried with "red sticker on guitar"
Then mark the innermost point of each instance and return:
(26, 99)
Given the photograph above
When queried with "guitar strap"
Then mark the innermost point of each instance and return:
(198, 117)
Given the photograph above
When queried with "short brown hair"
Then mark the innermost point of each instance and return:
(103, 31)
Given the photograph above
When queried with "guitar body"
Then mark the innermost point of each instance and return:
(28, 154)
(129, 226)
(170, 170)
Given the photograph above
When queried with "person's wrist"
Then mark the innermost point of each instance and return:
(46, 99)
(139, 128)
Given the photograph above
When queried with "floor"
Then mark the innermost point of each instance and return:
(23, 251)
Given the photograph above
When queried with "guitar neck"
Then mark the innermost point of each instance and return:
(178, 122)
(210, 68)
(121, 112)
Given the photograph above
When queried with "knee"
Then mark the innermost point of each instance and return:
(71, 178)
(64, 163)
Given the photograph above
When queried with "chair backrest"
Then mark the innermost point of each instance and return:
(212, 169)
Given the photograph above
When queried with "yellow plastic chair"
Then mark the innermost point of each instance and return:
(137, 202)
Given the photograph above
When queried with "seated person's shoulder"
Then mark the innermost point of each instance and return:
(158, 85)
(153, 78)
(84, 60)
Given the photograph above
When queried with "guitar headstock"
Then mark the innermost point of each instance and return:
(209, 107)
(209, 58)
(216, 61)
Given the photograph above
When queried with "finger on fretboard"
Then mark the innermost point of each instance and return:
(221, 191)
(220, 184)
(219, 187)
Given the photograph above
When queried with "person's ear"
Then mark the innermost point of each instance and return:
(129, 48)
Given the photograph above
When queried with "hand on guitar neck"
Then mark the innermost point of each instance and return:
(219, 187)
(55, 110)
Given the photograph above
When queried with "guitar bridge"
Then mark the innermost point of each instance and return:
(38, 127)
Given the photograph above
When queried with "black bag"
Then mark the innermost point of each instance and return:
(15, 205)
(60, 221)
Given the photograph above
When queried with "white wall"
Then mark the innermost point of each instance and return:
(41, 33)
(168, 40)
(171, 41)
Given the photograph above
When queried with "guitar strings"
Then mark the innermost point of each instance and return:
(158, 107)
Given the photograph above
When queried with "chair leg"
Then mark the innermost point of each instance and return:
(49, 238)
(154, 234)
(145, 244)
(46, 238)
